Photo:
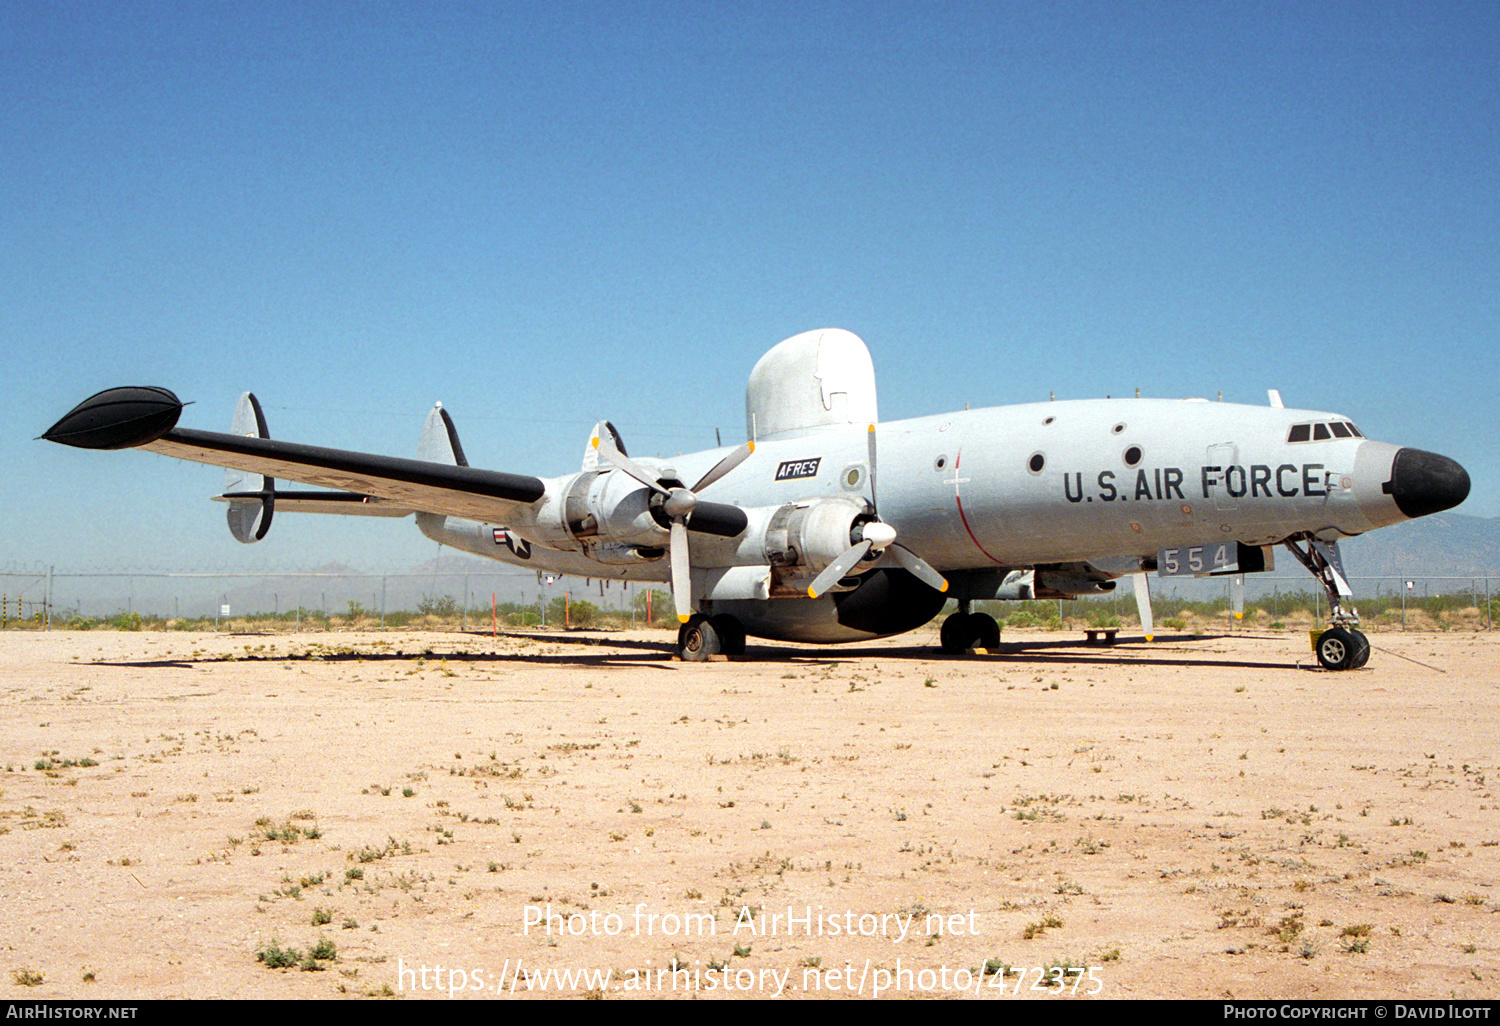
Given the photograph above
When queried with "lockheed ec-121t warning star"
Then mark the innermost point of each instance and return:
(828, 526)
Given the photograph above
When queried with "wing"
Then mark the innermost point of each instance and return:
(146, 418)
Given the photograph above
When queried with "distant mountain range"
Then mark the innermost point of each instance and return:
(1442, 545)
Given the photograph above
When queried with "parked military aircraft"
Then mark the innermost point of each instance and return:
(828, 526)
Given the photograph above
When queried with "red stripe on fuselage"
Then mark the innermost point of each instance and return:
(959, 502)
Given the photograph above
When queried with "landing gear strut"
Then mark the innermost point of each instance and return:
(1342, 646)
(965, 630)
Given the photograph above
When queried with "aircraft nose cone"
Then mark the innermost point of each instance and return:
(1424, 482)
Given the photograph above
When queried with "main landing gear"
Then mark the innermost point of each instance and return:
(704, 637)
(1342, 646)
(965, 630)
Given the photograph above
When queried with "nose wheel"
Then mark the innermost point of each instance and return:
(1343, 648)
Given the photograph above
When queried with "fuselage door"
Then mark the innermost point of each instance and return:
(1224, 477)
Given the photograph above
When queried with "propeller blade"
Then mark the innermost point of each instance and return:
(914, 564)
(1143, 604)
(837, 570)
(1237, 595)
(725, 465)
(682, 580)
(870, 436)
(606, 446)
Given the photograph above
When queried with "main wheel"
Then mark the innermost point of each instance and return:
(984, 632)
(954, 634)
(731, 634)
(698, 639)
(1337, 648)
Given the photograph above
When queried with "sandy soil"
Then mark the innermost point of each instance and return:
(1204, 817)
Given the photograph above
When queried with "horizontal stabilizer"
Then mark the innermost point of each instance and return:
(344, 503)
(484, 495)
(143, 418)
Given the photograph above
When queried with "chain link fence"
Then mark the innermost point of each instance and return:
(471, 599)
(315, 600)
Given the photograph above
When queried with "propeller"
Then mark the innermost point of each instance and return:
(876, 536)
(873, 536)
(685, 512)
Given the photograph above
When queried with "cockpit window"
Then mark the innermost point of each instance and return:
(1322, 432)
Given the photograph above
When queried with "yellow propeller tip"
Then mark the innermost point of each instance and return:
(811, 593)
(1151, 637)
(751, 446)
(944, 587)
(683, 619)
(594, 441)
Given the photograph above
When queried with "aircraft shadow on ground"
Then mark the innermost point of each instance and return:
(658, 654)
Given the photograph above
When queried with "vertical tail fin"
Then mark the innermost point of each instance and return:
(439, 442)
(252, 497)
(591, 458)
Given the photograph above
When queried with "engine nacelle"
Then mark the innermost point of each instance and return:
(609, 507)
(801, 538)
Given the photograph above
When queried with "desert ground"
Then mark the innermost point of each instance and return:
(412, 815)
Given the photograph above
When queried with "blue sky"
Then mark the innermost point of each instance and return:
(547, 213)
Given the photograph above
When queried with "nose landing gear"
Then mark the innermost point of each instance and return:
(1341, 646)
